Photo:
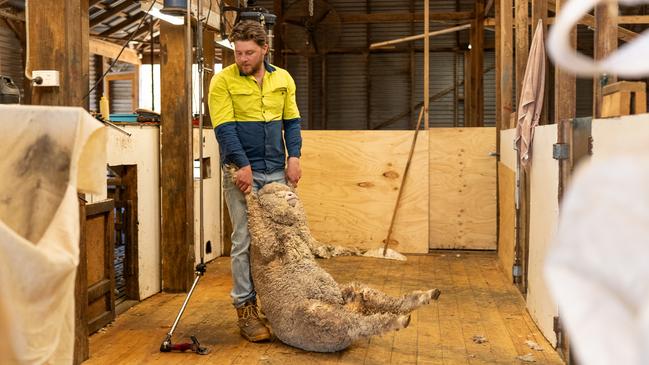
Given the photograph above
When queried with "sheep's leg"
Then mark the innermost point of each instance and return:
(325, 251)
(355, 324)
(373, 301)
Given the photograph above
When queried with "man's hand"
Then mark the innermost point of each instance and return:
(244, 179)
(293, 171)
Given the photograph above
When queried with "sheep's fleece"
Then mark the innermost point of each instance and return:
(306, 308)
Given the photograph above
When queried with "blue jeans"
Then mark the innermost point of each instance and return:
(242, 285)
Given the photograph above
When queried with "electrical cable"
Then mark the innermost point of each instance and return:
(110, 67)
(209, 11)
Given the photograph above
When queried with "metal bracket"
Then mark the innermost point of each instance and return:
(561, 151)
(558, 330)
(556, 324)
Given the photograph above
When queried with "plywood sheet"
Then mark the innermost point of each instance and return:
(507, 214)
(462, 188)
(211, 195)
(544, 213)
(142, 148)
(507, 152)
(96, 246)
(349, 186)
(625, 134)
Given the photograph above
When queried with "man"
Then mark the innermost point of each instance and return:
(251, 103)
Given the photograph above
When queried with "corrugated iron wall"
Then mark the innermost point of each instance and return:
(92, 98)
(584, 102)
(365, 90)
(120, 90)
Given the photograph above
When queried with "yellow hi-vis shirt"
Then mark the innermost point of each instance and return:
(249, 120)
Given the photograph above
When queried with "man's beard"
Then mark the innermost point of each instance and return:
(254, 69)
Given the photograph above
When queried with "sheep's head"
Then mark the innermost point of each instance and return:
(281, 204)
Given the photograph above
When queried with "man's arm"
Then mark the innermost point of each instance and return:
(292, 135)
(222, 115)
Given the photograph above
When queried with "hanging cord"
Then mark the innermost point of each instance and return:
(120, 53)
(209, 11)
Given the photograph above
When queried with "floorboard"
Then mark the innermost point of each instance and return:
(477, 300)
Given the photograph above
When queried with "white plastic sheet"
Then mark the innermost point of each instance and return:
(598, 270)
(630, 60)
(47, 154)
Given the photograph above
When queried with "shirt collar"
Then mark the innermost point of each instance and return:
(270, 68)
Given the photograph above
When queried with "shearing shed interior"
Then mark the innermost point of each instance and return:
(324, 182)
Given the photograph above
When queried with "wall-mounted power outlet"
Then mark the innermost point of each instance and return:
(46, 78)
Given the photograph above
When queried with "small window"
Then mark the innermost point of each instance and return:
(207, 169)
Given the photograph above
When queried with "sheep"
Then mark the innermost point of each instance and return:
(305, 306)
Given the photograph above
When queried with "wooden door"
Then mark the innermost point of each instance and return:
(99, 236)
(462, 175)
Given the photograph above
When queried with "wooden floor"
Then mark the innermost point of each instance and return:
(476, 300)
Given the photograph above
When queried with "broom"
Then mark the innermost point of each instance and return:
(385, 252)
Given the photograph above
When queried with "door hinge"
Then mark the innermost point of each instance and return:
(560, 151)
(556, 324)
(558, 331)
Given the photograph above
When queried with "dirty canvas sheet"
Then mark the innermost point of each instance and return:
(47, 154)
(598, 269)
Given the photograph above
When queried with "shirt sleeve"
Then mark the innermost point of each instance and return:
(220, 101)
(222, 115)
(292, 121)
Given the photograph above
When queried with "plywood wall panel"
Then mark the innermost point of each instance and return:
(462, 188)
(615, 135)
(350, 184)
(507, 214)
(507, 152)
(544, 215)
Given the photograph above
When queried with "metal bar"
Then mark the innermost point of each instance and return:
(116, 127)
(323, 91)
(426, 37)
(182, 309)
(201, 73)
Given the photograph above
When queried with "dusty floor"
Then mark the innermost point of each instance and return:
(476, 300)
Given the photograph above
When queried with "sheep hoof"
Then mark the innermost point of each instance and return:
(427, 296)
(407, 321)
(435, 294)
(403, 321)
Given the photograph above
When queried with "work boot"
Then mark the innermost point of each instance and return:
(250, 325)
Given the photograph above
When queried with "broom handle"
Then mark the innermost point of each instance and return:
(403, 180)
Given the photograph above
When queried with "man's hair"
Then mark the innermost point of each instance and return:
(249, 30)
